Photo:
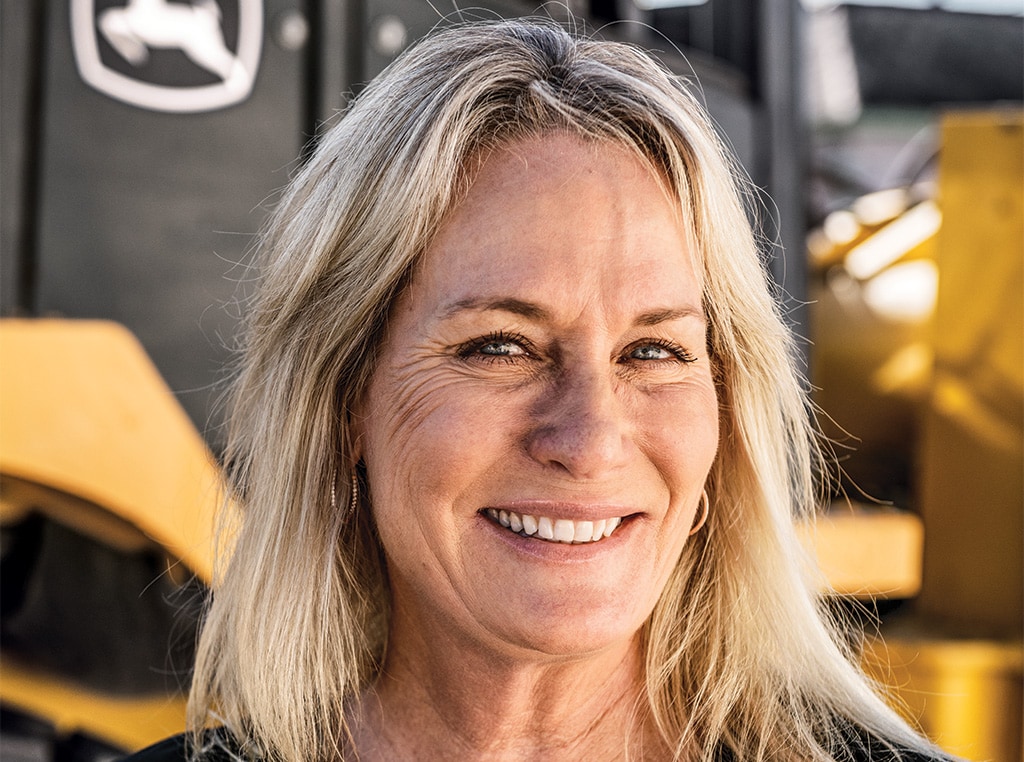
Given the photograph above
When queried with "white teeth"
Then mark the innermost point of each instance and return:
(564, 531)
(529, 524)
(545, 528)
(611, 525)
(583, 532)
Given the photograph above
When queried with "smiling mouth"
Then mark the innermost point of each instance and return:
(564, 531)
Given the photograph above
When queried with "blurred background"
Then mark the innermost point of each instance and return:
(143, 142)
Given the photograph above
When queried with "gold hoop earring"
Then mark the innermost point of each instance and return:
(353, 501)
(705, 506)
(354, 493)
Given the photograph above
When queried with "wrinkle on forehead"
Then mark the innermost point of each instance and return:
(497, 245)
(524, 151)
(539, 165)
(485, 164)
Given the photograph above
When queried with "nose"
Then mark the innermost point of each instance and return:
(581, 427)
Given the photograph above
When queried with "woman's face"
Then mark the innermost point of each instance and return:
(542, 416)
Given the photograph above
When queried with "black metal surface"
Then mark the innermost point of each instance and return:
(111, 620)
(22, 35)
(144, 216)
(26, 738)
(926, 57)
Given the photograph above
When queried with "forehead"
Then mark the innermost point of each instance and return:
(556, 214)
(544, 165)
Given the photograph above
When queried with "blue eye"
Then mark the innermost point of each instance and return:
(658, 351)
(502, 346)
(501, 349)
(650, 352)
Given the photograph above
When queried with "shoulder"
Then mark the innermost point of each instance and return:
(858, 745)
(216, 748)
(891, 754)
(174, 748)
(847, 742)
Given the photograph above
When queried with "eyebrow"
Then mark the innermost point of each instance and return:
(534, 311)
(515, 306)
(654, 317)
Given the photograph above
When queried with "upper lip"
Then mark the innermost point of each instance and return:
(574, 511)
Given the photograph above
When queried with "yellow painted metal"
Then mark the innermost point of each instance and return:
(867, 551)
(83, 411)
(955, 664)
(972, 453)
(946, 390)
(963, 694)
(871, 372)
(127, 722)
(91, 436)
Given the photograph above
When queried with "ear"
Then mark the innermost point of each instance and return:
(355, 431)
(357, 446)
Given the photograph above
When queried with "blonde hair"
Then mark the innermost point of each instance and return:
(737, 653)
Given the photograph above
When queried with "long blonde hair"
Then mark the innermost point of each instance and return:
(738, 655)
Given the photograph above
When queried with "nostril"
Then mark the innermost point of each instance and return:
(583, 447)
(580, 426)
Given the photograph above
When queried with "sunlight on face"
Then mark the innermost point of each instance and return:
(542, 417)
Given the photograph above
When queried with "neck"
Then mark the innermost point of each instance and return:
(441, 698)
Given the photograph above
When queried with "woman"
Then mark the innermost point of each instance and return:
(518, 441)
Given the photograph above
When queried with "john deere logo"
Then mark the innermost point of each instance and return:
(169, 56)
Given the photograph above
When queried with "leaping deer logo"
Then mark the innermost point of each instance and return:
(195, 28)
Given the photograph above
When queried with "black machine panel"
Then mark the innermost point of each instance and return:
(146, 209)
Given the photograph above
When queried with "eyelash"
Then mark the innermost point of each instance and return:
(672, 348)
(472, 349)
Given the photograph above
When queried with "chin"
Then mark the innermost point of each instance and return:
(570, 630)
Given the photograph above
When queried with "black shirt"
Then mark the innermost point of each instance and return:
(175, 749)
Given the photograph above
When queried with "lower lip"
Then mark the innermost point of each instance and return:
(560, 552)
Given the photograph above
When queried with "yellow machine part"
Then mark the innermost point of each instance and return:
(956, 667)
(866, 551)
(941, 392)
(127, 722)
(963, 694)
(91, 437)
(972, 453)
(83, 411)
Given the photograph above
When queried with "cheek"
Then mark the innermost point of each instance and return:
(681, 427)
(427, 433)
(682, 442)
